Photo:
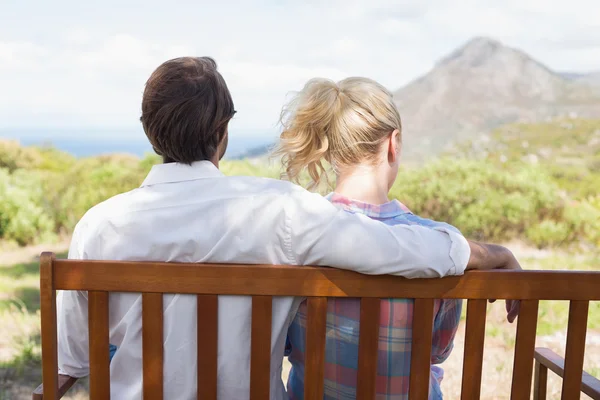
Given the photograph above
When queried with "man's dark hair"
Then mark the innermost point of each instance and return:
(185, 109)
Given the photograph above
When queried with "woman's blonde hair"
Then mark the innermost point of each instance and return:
(341, 123)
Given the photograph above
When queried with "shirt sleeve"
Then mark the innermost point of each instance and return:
(317, 233)
(72, 321)
(445, 326)
(416, 220)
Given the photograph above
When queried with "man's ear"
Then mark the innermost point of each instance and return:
(393, 145)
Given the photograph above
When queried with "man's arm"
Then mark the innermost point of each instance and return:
(73, 340)
(486, 256)
(483, 256)
(492, 256)
(72, 318)
(320, 234)
(317, 233)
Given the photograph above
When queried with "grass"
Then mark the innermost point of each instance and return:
(20, 334)
(19, 284)
(20, 351)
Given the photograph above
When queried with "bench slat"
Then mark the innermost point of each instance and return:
(48, 327)
(208, 330)
(524, 350)
(152, 345)
(473, 352)
(368, 348)
(576, 332)
(420, 361)
(260, 347)
(99, 355)
(315, 347)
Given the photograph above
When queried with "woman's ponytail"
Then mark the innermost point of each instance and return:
(307, 122)
(339, 124)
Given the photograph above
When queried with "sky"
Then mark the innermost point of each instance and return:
(68, 64)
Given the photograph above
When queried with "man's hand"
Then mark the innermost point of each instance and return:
(491, 256)
(512, 306)
(512, 309)
(486, 256)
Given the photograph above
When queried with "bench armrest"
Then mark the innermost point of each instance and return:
(64, 383)
(555, 363)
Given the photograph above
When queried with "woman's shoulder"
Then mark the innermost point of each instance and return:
(415, 219)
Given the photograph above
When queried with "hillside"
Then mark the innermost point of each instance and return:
(482, 85)
(568, 149)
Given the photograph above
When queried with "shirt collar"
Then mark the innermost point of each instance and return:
(390, 209)
(177, 172)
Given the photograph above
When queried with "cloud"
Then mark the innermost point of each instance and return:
(88, 66)
(19, 55)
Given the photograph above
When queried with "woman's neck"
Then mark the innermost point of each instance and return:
(364, 183)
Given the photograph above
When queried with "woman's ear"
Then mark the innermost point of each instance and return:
(393, 146)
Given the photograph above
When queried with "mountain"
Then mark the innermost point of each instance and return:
(480, 86)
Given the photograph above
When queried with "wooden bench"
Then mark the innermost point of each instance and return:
(264, 281)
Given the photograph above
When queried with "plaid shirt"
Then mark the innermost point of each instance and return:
(395, 333)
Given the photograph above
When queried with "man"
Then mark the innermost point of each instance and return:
(187, 211)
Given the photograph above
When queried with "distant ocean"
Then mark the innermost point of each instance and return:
(95, 145)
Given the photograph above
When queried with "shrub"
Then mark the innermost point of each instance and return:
(89, 182)
(548, 233)
(22, 218)
(482, 200)
(13, 156)
(583, 219)
(44, 192)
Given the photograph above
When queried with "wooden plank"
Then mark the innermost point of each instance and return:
(48, 327)
(368, 348)
(315, 348)
(152, 345)
(540, 381)
(98, 334)
(260, 348)
(64, 384)
(473, 352)
(574, 352)
(524, 350)
(208, 338)
(420, 360)
(589, 384)
(309, 281)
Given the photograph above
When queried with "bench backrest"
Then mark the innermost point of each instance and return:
(153, 279)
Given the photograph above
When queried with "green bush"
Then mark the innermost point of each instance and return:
(483, 201)
(583, 219)
(22, 217)
(567, 149)
(44, 192)
(548, 233)
(89, 182)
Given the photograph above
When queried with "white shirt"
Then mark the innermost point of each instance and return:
(196, 214)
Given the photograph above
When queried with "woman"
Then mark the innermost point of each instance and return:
(354, 127)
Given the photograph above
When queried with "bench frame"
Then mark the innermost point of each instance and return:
(262, 282)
